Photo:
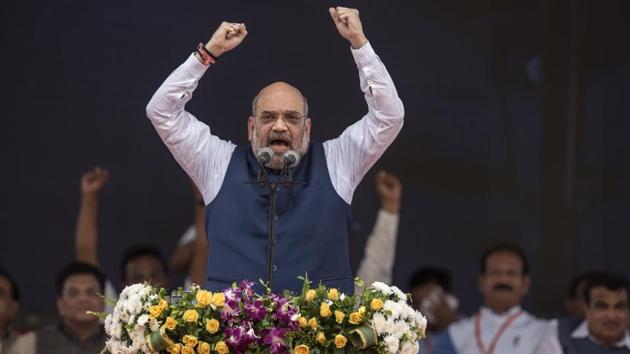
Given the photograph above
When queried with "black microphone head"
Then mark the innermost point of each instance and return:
(291, 158)
(264, 155)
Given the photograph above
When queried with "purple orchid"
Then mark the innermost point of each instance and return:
(274, 338)
(230, 311)
(255, 311)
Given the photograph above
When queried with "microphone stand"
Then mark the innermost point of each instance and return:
(264, 181)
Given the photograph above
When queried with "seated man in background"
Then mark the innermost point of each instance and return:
(574, 305)
(501, 326)
(431, 295)
(605, 329)
(9, 305)
(78, 287)
(139, 263)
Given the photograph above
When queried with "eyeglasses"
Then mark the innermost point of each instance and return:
(290, 116)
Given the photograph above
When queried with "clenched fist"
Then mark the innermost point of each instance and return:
(93, 181)
(227, 37)
(389, 191)
(349, 25)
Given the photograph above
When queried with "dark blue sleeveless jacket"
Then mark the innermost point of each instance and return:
(570, 345)
(312, 226)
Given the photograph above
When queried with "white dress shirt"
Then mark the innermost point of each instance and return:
(205, 157)
(525, 335)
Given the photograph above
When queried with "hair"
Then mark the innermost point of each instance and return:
(255, 104)
(575, 283)
(515, 250)
(15, 293)
(137, 251)
(76, 268)
(609, 280)
(427, 275)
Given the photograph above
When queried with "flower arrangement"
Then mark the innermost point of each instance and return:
(237, 320)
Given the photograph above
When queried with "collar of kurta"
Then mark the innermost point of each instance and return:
(583, 332)
(486, 312)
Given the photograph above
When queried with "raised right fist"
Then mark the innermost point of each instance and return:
(227, 37)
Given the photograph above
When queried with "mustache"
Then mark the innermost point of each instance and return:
(279, 136)
(502, 286)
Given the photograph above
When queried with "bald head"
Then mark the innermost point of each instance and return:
(280, 96)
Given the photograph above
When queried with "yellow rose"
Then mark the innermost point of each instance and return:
(203, 298)
(189, 340)
(362, 310)
(339, 316)
(302, 322)
(221, 347)
(218, 299)
(174, 349)
(170, 323)
(203, 348)
(163, 305)
(301, 349)
(190, 316)
(355, 318)
(333, 294)
(155, 311)
(376, 304)
(324, 310)
(310, 295)
(212, 326)
(340, 341)
(321, 338)
(188, 350)
(312, 323)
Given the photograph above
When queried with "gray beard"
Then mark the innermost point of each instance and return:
(277, 162)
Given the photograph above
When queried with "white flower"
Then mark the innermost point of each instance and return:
(391, 344)
(378, 322)
(410, 348)
(399, 329)
(342, 296)
(399, 293)
(421, 323)
(393, 308)
(382, 287)
(142, 320)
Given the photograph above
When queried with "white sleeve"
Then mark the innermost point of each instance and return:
(351, 155)
(550, 344)
(203, 156)
(380, 250)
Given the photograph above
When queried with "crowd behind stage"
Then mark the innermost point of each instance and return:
(596, 314)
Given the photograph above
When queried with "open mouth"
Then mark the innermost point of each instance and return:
(279, 144)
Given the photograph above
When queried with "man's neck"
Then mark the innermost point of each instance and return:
(500, 310)
(82, 330)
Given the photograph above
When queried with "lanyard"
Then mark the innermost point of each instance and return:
(497, 336)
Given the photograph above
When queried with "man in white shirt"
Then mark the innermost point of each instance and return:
(501, 326)
(312, 219)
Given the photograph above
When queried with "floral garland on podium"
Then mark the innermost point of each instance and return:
(237, 320)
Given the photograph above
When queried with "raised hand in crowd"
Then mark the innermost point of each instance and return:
(86, 236)
(389, 191)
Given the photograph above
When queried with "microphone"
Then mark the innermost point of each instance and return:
(264, 155)
(291, 158)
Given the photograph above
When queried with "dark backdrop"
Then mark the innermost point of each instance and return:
(78, 75)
